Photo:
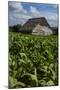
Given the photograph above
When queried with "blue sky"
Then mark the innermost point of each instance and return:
(20, 12)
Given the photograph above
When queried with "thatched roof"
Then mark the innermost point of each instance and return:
(31, 24)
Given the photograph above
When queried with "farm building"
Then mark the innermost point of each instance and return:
(36, 26)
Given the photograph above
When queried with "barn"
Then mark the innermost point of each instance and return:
(37, 26)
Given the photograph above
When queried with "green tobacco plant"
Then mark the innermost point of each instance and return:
(33, 60)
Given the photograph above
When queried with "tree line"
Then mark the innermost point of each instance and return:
(14, 28)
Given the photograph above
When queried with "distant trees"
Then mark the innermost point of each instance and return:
(14, 28)
(55, 30)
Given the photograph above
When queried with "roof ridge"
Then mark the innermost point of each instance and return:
(37, 18)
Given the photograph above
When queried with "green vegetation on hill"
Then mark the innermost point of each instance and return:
(33, 60)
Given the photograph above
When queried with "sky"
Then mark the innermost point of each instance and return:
(20, 12)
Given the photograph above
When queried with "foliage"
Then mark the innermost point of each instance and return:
(15, 28)
(33, 60)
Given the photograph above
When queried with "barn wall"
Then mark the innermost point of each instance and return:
(41, 30)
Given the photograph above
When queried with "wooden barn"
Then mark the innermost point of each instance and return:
(37, 26)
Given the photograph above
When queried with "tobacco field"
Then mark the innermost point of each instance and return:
(33, 60)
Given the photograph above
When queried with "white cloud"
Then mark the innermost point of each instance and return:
(34, 12)
(21, 17)
(37, 13)
(50, 16)
(55, 5)
(17, 14)
(17, 7)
